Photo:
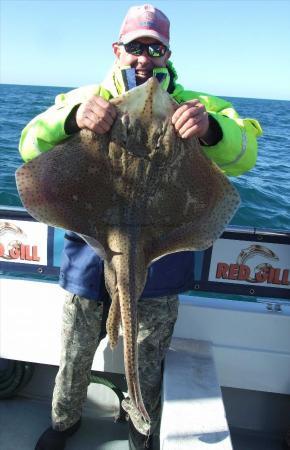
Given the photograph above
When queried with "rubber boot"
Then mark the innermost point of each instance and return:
(55, 440)
(286, 441)
(137, 441)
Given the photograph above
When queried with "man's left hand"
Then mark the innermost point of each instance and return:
(191, 119)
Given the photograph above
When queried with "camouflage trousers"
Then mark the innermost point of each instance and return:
(81, 330)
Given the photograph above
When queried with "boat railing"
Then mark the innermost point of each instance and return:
(244, 261)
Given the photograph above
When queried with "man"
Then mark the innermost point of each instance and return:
(142, 49)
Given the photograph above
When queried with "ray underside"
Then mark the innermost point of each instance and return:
(137, 193)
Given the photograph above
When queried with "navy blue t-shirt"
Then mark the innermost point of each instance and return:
(82, 272)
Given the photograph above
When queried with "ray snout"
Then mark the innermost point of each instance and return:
(151, 101)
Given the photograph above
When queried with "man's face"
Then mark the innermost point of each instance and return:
(143, 64)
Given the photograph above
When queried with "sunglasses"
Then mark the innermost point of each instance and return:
(137, 48)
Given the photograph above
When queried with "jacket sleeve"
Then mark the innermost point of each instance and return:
(236, 152)
(47, 129)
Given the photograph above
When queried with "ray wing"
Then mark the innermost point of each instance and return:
(69, 187)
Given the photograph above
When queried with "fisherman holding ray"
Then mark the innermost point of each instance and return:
(142, 51)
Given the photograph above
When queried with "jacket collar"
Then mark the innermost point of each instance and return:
(114, 81)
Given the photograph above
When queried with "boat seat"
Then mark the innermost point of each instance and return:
(193, 414)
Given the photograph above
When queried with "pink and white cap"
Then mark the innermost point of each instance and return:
(145, 21)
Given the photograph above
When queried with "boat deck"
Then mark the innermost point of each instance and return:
(26, 416)
(23, 420)
(243, 440)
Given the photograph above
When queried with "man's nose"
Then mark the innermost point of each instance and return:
(144, 56)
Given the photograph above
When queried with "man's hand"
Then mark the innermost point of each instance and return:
(96, 114)
(191, 119)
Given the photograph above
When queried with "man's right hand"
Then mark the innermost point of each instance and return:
(96, 114)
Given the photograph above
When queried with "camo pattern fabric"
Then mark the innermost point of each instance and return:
(81, 328)
(157, 317)
(81, 331)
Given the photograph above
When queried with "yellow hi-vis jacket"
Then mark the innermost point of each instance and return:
(235, 153)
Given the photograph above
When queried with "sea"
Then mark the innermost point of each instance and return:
(264, 190)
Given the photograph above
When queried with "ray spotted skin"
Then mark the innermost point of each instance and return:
(136, 193)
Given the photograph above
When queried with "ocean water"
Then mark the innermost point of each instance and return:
(265, 190)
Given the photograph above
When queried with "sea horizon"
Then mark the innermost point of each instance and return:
(88, 84)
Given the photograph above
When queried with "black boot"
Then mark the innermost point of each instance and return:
(137, 441)
(286, 441)
(55, 440)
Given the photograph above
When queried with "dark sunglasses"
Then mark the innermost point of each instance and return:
(137, 48)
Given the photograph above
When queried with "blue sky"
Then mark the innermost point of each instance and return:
(230, 47)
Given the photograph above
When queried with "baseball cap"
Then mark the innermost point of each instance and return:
(145, 21)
